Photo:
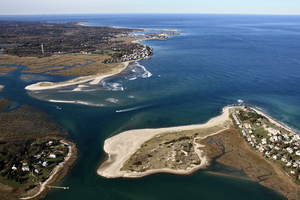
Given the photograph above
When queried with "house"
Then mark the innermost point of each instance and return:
(292, 172)
(37, 171)
(275, 157)
(25, 168)
(14, 167)
(46, 163)
(289, 164)
(295, 165)
(49, 143)
(277, 148)
(262, 149)
(264, 141)
(290, 150)
(247, 126)
(284, 160)
(273, 131)
(298, 153)
(268, 153)
(52, 155)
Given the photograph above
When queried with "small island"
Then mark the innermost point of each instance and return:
(243, 137)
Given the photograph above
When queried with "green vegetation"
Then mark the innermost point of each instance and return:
(24, 163)
(26, 38)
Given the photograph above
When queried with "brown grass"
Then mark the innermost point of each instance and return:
(6, 69)
(78, 64)
(258, 168)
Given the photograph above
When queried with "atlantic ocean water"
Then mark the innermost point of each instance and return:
(217, 60)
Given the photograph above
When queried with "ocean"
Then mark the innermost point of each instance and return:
(217, 60)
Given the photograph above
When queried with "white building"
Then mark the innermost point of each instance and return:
(52, 155)
(14, 167)
(290, 150)
(25, 168)
(264, 141)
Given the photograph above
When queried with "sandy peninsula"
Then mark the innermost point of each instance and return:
(120, 147)
(94, 79)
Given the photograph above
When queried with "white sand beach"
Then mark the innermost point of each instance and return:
(120, 147)
(95, 79)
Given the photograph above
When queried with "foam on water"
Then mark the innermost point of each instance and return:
(77, 102)
(138, 71)
(113, 86)
(113, 100)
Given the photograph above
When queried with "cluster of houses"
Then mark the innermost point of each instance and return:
(41, 160)
(276, 145)
(140, 52)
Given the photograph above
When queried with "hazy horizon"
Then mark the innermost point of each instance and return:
(54, 7)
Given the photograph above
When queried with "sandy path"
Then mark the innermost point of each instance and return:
(120, 147)
(95, 79)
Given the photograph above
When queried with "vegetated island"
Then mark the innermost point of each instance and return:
(242, 137)
(34, 152)
(70, 49)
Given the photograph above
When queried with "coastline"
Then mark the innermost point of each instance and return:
(95, 79)
(120, 147)
(58, 172)
(274, 121)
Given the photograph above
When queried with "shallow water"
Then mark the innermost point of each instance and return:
(216, 61)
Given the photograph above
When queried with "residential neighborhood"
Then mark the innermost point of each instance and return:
(29, 162)
(276, 143)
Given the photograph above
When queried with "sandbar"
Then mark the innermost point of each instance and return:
(121, 146)
(95, 79)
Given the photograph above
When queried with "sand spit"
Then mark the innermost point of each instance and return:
(95, 79)
(120, 147)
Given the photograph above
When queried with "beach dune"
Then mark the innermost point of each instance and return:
(121, 146)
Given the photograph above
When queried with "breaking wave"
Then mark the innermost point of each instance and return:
(138, 71)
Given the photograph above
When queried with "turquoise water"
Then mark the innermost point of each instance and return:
(216, 61)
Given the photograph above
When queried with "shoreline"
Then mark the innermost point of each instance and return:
(121, 146)
(59, 168)
(95, 79)
(274, 121)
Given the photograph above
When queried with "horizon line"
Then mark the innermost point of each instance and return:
(269, 14)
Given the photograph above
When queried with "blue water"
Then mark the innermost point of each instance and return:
(217, 60)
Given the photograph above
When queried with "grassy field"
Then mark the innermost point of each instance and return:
(6, 69)
(173, 150)
(63, 65)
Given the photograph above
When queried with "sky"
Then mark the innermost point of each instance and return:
(33, 7)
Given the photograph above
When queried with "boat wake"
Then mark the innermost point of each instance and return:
(134, 108)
